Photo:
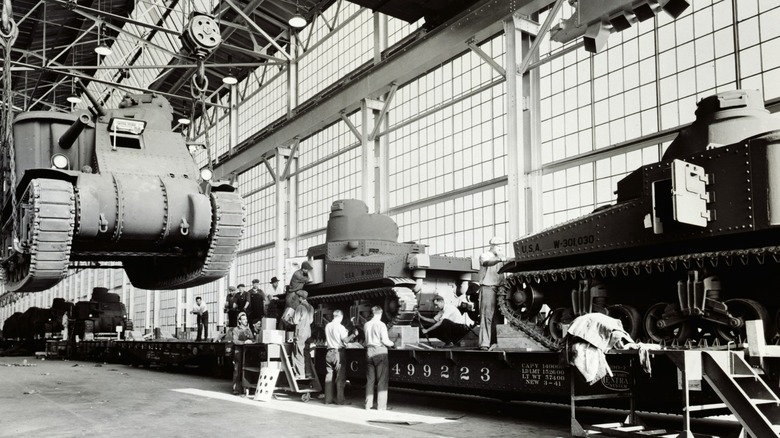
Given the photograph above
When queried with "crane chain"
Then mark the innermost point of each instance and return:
(200, 84)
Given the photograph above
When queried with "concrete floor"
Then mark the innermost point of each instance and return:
(53, 398)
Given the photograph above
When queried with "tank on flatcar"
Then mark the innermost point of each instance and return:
(113, 185)
(99, 317)
(11, 326)
(362, 264)
(38, 322)
(689, 250)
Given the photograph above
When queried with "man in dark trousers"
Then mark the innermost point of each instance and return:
(377, 360)
(202, 315)
(447, 325)
(257, 305)
(230, 307)
(337, 337)
(243, 300)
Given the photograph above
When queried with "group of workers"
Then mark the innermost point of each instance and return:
(246, 308)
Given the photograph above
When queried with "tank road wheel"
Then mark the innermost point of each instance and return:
(559, 321)
(628, 316)
(654, 315)
(746, 310)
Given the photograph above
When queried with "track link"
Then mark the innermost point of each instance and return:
(401, 293)
(528, 328)
(47, 239)
(673, 263)
(685, 261)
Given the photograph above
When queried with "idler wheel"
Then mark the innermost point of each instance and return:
(524, 302)
(658, 332)
(746, 310)
(628, 316)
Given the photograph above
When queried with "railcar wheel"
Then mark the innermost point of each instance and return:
(628, 316)
(679, 332)
(559, 320)
(747, 310)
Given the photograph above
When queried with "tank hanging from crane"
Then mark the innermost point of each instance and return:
(113, 185)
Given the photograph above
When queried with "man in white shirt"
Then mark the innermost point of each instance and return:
(377, 341)
(490, 263)
(276, 290)
(447, 325)
(202, 314)
(337, 337)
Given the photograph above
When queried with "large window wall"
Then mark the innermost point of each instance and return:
(596, 109)
(446, 136)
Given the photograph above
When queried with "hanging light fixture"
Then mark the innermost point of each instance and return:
(229, 79)
(184, 121)
(297, 21)
(73, 97)
(102, 48)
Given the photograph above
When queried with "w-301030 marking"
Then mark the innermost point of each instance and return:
(571, 242)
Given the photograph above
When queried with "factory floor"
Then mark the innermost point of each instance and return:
(55, 398)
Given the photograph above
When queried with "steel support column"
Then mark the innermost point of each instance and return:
(130, 292)
(156, 317)
(233, 140)
(514, 129)
(280, 248)
(523, 155)
(148, 311)
(292, 77)
(381, 144)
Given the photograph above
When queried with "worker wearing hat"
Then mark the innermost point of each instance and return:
(490, 263)
(231, 307)
(276, 290)
(298, 280)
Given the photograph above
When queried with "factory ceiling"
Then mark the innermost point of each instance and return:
(57, 39)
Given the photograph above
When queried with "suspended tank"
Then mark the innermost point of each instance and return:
(687, 253)
(113, 185)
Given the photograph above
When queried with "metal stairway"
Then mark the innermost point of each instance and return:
(743, 391)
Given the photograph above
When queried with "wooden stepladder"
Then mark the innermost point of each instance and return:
(277, 373)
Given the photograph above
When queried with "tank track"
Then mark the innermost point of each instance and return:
(685, 261)
(530, 329)
(378, 296)
(227, 227)
(49, 239)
